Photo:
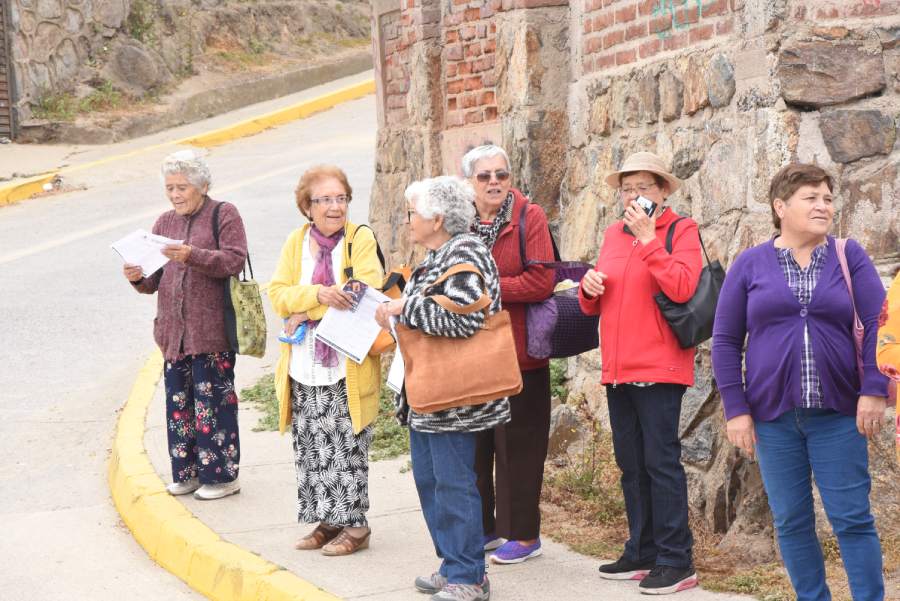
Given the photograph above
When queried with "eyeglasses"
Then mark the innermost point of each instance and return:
(638, 190)
(409, 215)
(340, 200)
(485, 176)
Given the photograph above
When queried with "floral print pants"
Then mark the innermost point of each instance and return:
(201, 418)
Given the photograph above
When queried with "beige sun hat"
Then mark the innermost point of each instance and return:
(643, 161)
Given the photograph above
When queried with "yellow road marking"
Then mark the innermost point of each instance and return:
(28, 188)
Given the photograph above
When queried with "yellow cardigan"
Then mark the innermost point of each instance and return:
(363, 381)
(888, 349)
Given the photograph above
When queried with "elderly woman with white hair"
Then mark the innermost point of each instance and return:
(201, 403)
(442, 444)
(513, 455)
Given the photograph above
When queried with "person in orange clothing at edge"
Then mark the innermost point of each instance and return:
(645, 371)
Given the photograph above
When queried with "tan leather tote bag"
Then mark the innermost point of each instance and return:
(444, 372)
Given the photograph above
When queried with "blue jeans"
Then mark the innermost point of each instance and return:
(825, 444)
(443, 467)
(644, 424)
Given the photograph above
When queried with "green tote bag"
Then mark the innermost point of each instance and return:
(245, 319)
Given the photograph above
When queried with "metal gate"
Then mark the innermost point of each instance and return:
(6, 124)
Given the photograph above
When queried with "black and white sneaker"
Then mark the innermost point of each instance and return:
(664, 580)
(624, 569)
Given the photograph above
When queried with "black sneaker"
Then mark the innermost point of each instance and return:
(664, 580)
(624, 569)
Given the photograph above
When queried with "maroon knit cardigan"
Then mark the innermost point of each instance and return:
(190, 316)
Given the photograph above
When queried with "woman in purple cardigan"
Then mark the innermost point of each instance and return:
(801, 403)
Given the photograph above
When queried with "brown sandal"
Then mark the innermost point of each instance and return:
(346, 544)
(318, 537)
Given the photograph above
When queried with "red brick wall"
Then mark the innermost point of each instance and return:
(470, 43)
(620, 32)
(395, 42)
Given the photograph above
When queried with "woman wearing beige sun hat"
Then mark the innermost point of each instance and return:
(645, 370)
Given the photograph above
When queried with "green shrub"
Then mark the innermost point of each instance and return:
(558, 388)
(389, 438)
(262, 394)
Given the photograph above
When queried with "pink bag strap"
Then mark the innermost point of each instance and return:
(840, 245)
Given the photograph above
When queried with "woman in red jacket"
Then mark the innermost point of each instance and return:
(519, 447)
(645, 370)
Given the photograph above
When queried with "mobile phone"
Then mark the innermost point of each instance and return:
(648, 205)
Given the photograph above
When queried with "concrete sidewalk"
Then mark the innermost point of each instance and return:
(262, 519)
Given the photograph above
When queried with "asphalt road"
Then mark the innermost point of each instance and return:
(74, 335)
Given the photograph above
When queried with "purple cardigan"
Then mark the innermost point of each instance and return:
(190, 314)
(756, 304)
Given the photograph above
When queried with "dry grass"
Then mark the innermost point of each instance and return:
(582, 506)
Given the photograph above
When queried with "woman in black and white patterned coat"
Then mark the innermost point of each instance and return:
(442, 444)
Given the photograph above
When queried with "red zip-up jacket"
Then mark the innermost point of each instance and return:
(518, 287)
(636, 342)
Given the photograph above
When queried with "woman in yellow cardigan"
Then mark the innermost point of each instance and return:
(887, 352)
(329, 400)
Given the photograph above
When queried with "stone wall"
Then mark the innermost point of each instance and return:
(726, 91)
(52, 39)
(140, 46)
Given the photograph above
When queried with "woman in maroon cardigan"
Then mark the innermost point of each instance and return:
(520, 446)
(201, 404)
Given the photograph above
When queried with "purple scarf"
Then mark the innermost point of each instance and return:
(324, 274)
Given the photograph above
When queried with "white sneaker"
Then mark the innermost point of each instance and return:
(183, 488)
(208, 492)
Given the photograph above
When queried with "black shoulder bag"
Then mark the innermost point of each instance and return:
(692, 321)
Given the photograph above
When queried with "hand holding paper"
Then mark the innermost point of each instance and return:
(142, 248)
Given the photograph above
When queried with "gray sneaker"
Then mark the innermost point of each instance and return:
(464, 592)
(431, 584)
(435, 583)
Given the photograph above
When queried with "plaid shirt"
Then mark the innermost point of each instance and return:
(802, 282)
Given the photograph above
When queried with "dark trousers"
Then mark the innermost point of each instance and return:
(644, 424)
(201, 418)
(445, 480)
(519, 448)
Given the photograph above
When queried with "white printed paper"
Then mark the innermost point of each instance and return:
(140, 247)
(352, 332)
(396, 373)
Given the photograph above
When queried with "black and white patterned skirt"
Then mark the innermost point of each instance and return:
(332, 462)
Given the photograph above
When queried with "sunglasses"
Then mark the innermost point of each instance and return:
(485, 176)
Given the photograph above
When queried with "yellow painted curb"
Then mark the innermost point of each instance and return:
(281, 116)
(28, 188)
(24, 189)
(171, 535)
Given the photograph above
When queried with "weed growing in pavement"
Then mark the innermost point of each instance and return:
(389, 438)
(593, 477)
(65, 106)
(262, 394)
